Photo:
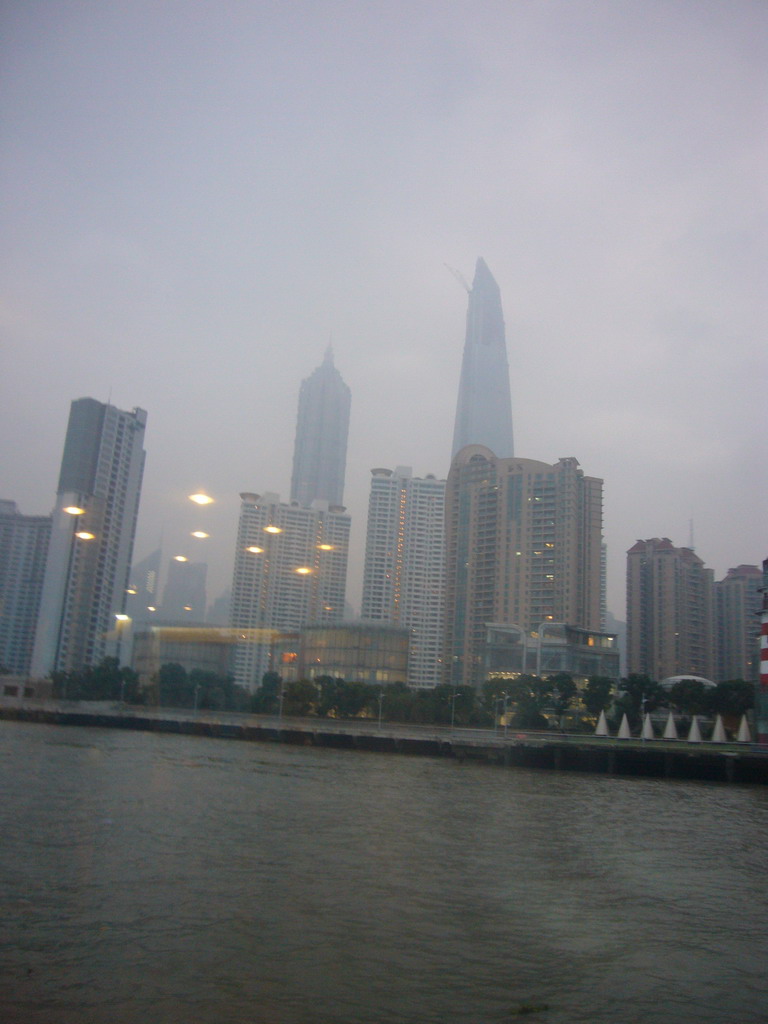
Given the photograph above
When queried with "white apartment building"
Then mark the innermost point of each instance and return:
(290, 571)
(404, 573)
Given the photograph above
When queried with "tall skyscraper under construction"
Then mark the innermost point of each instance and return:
(322, 426)
(93, 528)
(484, 406)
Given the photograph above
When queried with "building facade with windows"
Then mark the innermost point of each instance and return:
(738, 604)
(358, 652)
(290, 571)
(523, 547)
(404, 571)
(670, 620)
(93, 527)
(23, 551)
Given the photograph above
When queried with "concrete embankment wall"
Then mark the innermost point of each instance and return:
(652, 759)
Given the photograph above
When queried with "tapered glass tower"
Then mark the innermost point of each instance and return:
(484, 406)
(322, 426)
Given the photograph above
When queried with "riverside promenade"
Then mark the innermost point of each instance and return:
(678, 759)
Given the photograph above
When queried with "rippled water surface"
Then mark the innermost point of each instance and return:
(155, 878)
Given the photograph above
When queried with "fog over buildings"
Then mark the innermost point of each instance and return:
(196, 204)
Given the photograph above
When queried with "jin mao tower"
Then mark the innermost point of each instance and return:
(322, 426)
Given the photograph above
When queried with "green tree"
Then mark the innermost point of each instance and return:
(174, 689)
(563, 690)
(637, 694)
(597, 694)
(300, 698)
(266, 700)
(689, 696)
(732, 698)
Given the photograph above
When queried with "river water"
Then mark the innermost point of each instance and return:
(153, 878)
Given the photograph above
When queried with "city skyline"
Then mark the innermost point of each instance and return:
(198, 273)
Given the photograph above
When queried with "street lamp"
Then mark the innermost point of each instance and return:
(381, 702)
(502, 699)
(453, 708)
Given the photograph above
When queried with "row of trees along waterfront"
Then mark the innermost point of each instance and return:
(526, 702)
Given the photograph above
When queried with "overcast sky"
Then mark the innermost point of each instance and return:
(200, 195)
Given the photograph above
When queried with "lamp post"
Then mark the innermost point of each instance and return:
(453, 708)
(642, 717)
(500, 701)
(381, 702)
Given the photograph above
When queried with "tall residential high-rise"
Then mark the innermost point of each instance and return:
(484, 406)
(670, 623)
(322, 426)
(523, 547)
(290, 571)
(94, 523)
(738, 602)
(404, 573)
(23, 550)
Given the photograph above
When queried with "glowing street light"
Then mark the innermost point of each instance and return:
(85, 535)
(74, 510)
(273, 529)
(303, 570)
(200, 534)
(255, 550)
(201, 499)
(180, 558)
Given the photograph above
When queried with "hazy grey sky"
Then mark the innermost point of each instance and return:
(199, 195)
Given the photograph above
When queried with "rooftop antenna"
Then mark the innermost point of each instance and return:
(690, 534)
(459, 277)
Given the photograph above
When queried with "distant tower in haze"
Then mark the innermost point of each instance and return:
(184, 594)
(484, 406)
(322, 426)
(93, 527)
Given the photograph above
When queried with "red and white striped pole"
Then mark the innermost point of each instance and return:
(761, 704)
